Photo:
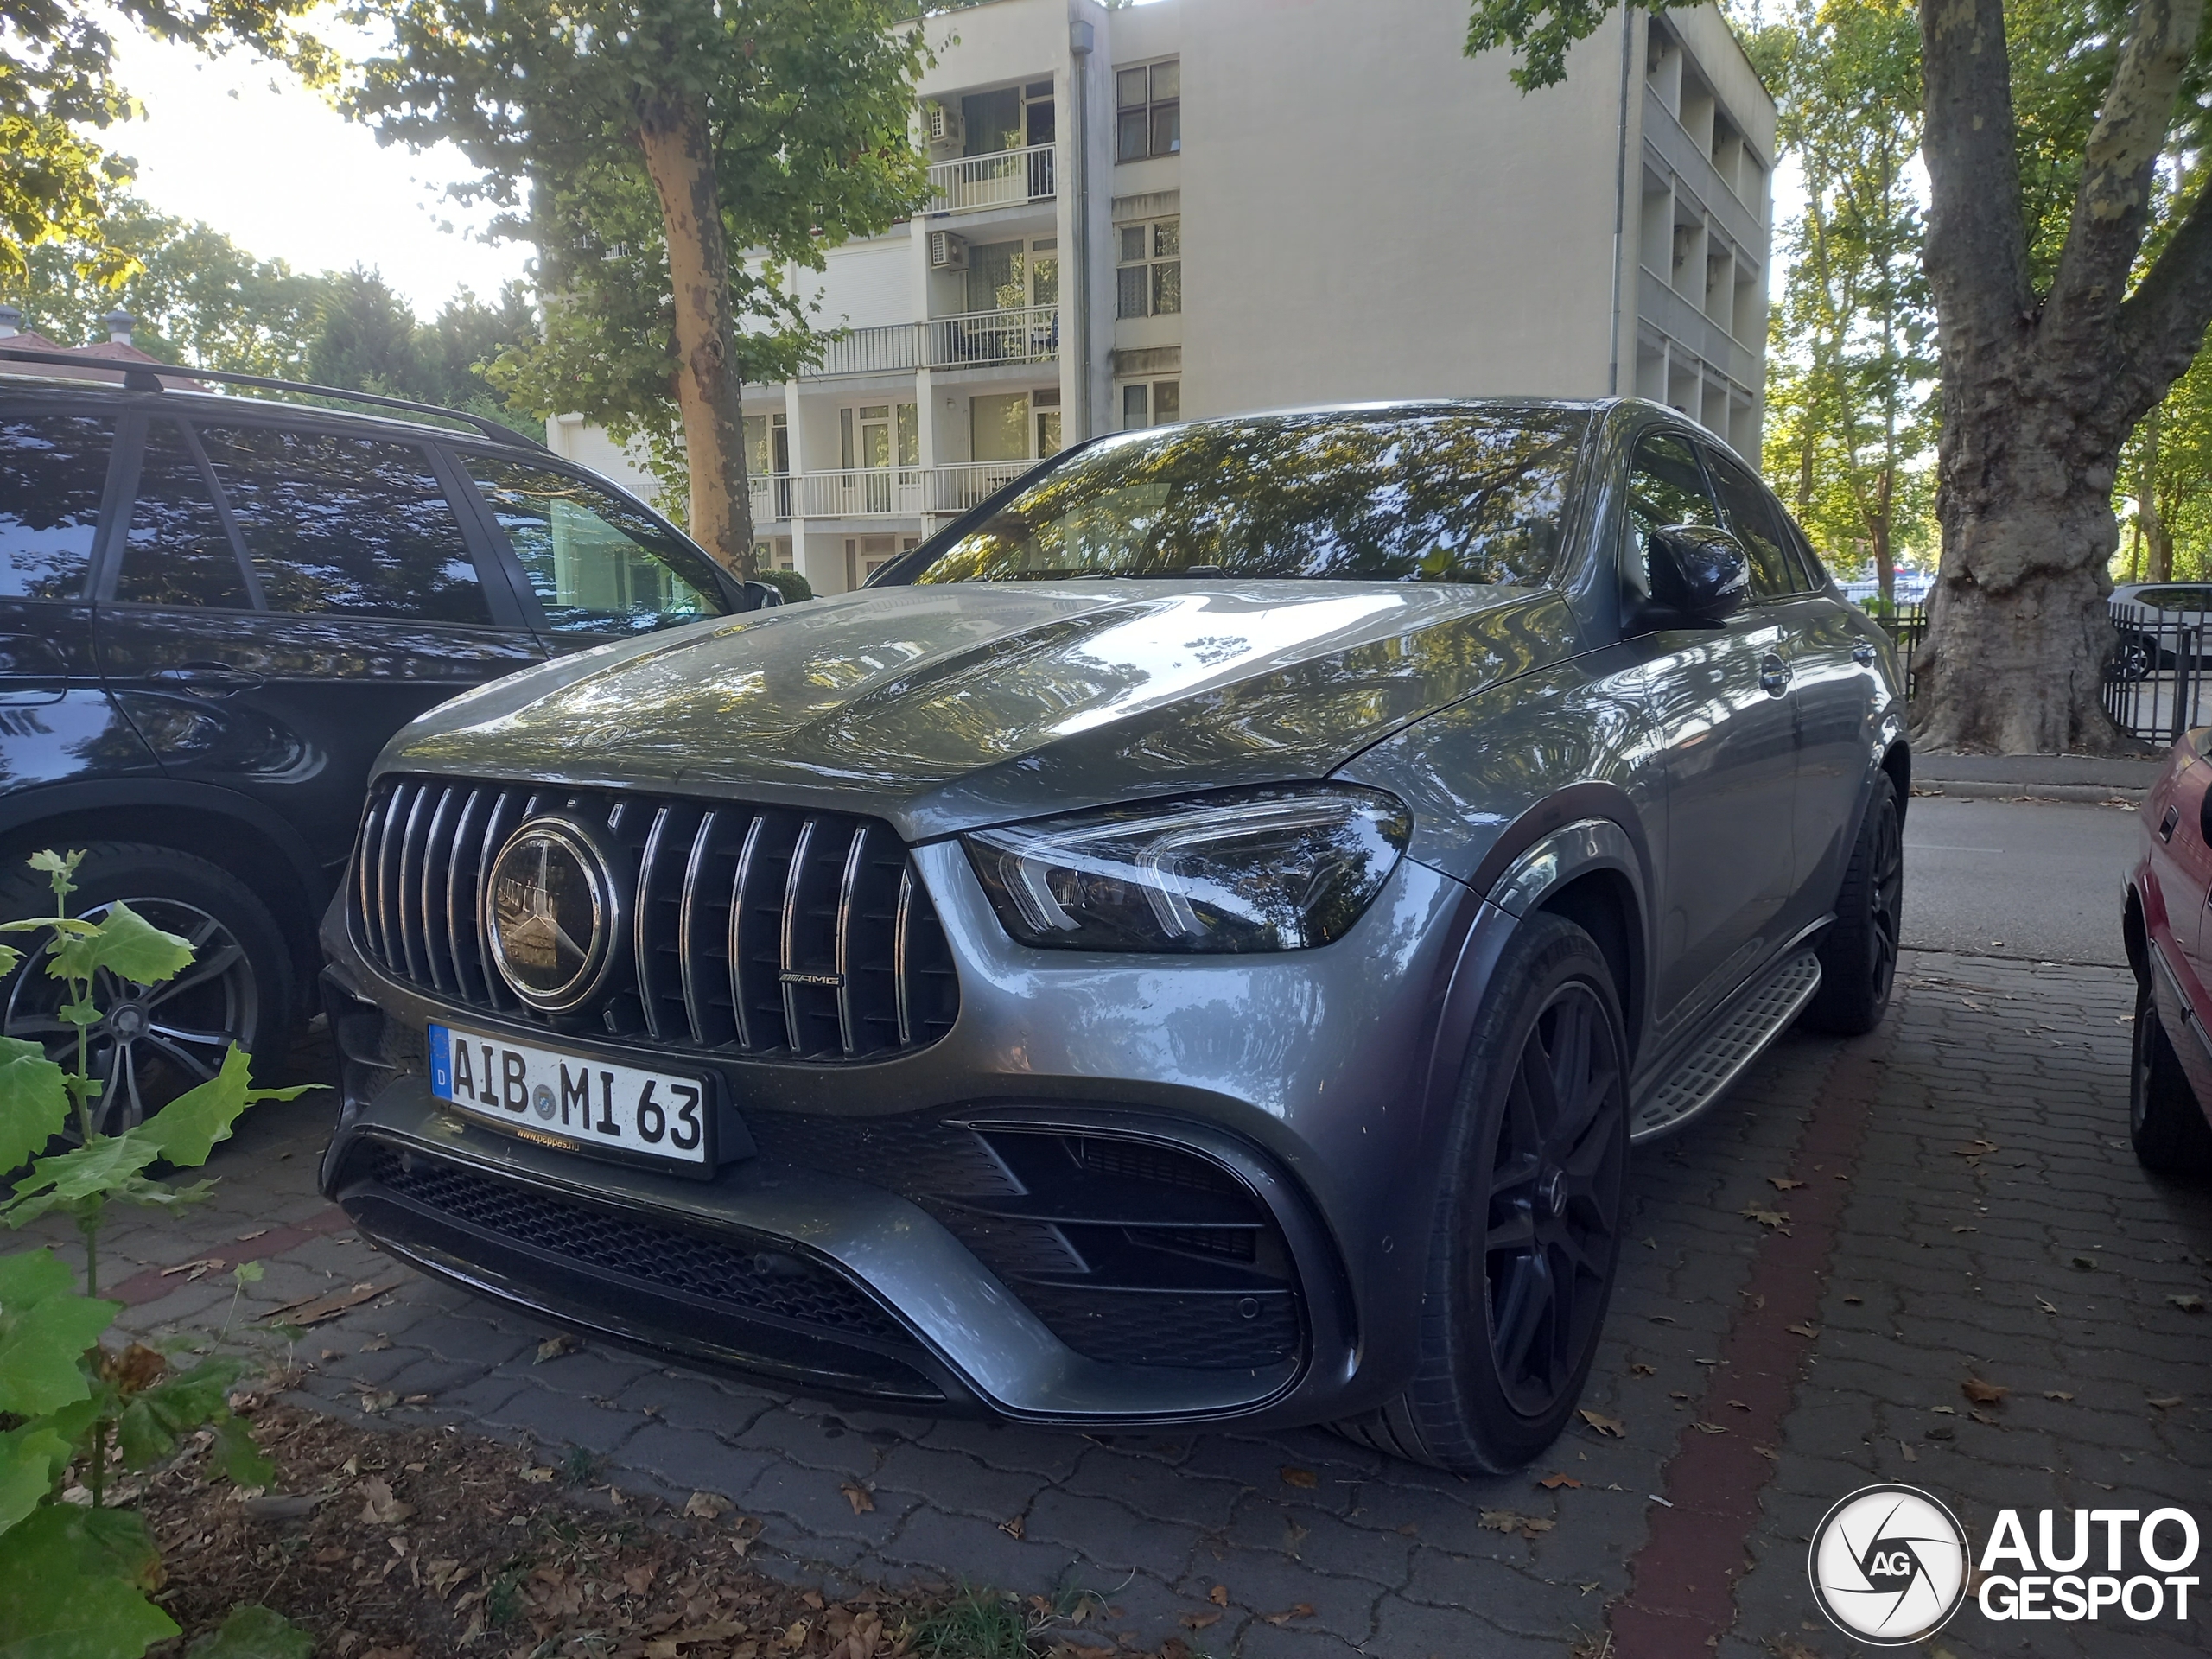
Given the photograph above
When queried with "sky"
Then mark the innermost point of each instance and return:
(241, 145)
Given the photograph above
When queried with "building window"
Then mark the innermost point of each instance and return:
(1148, 114)
(1148, 280)
(1153, 402)
(1046, 405)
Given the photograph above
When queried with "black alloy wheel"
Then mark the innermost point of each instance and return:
(1556, 1172)
(1859, 952)
(1523, 1240)
(154, 1042)
(2135, 658)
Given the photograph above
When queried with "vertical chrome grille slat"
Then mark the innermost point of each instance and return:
(757, 930)
(899, 942)
(848, 891)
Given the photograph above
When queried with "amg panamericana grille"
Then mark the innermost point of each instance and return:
(753, 930)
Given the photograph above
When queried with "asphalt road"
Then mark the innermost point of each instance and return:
(2029, 878)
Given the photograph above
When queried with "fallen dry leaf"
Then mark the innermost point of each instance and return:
(1200, 1621)
(1782, 1184)
(1708, 1428)
(1302, 1610)
(1218, 1595)
(2188, 1304)
(1302, 1478)
(554, 1347)
(1778, 1219)
(1510, 1521)
(1983, 1393)
(377, 1344)
(1977, 1148)
(1739, 1404)
(538, 1476)
(1803, 1329)
(380, 1507)
(1553, 1482)
(316, 1309)
(1855, 1301)
(1604, 1424)
(1014, 1527)
(1768, 1453)
(1641, 1369)
(2056, 1394)
(707, 1506)
(2166, 1403)
(858, 1497)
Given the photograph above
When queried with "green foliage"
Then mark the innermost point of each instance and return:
(58, 94)
(791, 585)
(72, 1580)
(254, 1632)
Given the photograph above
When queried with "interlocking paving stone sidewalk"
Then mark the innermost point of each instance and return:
(1395, 1561)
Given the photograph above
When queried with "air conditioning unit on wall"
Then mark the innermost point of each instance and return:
(948, 251)
(942, 122)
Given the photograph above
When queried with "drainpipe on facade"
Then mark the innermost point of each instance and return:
(1080, 45)
(1620, 200)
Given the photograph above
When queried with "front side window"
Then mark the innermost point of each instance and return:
(1773, 572)
(178, 552)
(597, 564)
(1444, 498)
(52, 468)
(340, 526)
(1148, 272)
(1148, 111)
(1666, 486)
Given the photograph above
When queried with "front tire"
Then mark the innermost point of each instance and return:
(1858, 953)
(1525, 1241)
(155, 1042)
(2164, 1121)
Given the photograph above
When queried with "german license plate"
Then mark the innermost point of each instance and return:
(589, 1104)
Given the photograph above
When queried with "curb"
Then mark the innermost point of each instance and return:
(2086, 794)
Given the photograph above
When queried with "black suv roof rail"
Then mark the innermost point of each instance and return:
(147, 376)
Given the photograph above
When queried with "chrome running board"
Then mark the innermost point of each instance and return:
(1705, 1075)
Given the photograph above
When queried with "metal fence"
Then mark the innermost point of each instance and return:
(2155, 685)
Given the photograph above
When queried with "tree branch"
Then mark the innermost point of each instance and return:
(1977, 245)
(2112, 208)
(2162, 324)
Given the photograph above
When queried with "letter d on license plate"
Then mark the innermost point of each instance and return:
(573, 1101)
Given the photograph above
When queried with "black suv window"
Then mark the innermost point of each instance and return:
(1752, 515)
(179, 552)
(52, 469)
(348, 526)
(1666, 486)
(598, 564)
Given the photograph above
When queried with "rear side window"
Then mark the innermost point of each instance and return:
(597, 564)
(339, 525)
(1752, 515)
(178, 552)
(52, 470)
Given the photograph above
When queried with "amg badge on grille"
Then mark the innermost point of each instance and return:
(549, 913)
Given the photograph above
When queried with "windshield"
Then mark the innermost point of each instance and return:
(1446, 497)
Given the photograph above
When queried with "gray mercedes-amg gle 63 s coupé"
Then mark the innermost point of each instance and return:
(1195, 940)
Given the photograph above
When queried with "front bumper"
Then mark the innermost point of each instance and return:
(1253, 1146)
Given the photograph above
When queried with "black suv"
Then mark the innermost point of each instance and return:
(213, 612)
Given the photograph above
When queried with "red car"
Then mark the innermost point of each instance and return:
(2168, 926)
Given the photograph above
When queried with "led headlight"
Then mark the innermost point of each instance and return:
(1275, 869)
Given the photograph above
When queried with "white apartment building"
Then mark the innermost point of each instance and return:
(1197, 207)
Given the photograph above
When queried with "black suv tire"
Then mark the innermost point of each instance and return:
(153, 1043)
(1858, 953)
(2164, 1122)
(1497, 1241)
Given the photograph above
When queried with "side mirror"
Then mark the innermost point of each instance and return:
(1698, 573)
(759, 596)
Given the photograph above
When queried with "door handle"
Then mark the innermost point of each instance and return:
(1863, 654)
(207, 679)
(1774, 675)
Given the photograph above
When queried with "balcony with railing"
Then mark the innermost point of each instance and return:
(971, 339)
(1006, 178)
(881, 492)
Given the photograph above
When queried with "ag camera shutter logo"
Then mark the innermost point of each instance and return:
(1888, 1565)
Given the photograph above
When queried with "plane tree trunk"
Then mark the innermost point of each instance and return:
(2039, 392)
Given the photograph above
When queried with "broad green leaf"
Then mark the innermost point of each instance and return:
(157, 1418)
(126, 945)
(254, 1632)
(30, 1459)
(45, 1327)
(9, 958)
(242, 1460)
(73, 925)
(65, 1592)
(33, 1104)
(104, 1167)
(186, 1129)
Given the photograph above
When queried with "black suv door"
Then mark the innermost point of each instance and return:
(55, 722)
(286, 598)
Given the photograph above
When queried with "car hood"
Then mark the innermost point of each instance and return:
(947, 707)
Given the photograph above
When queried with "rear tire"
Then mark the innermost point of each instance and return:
(2164, 1121)
(1858, 953)
(155, 1042)
(1525, 1241)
